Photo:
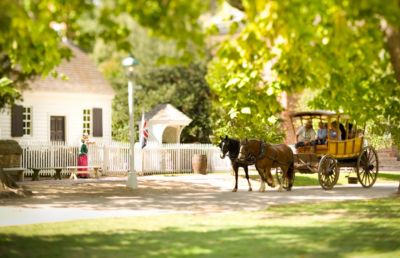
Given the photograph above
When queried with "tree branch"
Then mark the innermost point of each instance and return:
(238, 4)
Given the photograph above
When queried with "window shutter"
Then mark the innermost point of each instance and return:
(97, 122)
(17, 125)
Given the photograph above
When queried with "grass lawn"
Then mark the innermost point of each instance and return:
(312, 179)
(341, 229)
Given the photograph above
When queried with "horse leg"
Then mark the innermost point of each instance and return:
(262, 185)
(235, 170)
(284, 177)
(246, 170)
(270, 178)
(290, 174)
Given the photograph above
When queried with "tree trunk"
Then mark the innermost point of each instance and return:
(8, 187)
(392, 35)
(6, 182)
(398, 189)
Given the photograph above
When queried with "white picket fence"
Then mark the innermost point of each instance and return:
(114, 157)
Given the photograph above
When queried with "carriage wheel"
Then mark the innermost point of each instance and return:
(328, 172)
(367, 167)
(283, 181)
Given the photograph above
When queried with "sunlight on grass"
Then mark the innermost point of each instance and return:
(351, 229)
(312, 179)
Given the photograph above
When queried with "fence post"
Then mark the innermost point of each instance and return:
(114, 157)
(105, 159)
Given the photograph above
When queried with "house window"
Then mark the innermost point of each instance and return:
(86, 121)
(27, 120)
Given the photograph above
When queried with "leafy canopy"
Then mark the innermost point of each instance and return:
(336, 48)
(340, 48)
(30, 44)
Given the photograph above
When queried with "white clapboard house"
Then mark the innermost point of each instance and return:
(62, 110)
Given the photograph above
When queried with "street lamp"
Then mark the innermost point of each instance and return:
(129, 63)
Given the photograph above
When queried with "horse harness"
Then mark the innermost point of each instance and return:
(263, 153)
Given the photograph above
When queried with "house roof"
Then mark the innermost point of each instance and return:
(166, 113)
(82, 73)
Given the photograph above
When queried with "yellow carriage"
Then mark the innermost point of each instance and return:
(345, 147)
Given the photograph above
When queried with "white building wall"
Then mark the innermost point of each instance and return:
(5, 123)
(46, 104)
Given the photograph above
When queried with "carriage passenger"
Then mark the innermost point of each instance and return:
(334, 134)
(351, 131)
(343, 132)
(305, 135)
(321, 134)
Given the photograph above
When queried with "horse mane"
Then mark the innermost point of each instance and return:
(234, 148)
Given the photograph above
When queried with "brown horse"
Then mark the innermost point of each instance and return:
(267, 156)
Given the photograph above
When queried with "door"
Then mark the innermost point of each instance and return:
(57, 128)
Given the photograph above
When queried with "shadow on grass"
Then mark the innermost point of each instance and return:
(332, 240)
(340, 229)
(367, 209)
(389, 176)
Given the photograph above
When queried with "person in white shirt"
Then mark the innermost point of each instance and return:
(305, 135)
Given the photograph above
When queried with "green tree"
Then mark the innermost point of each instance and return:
(343, 49)
(159, 79)
(30, 46)
(182, 86)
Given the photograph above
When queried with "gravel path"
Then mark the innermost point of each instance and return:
(109, 197)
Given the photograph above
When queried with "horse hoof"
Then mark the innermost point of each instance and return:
(234, 190)
(250, 189)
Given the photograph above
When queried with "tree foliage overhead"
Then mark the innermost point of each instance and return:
(348, 51)
(30, 46)
(338, 48)
(184, 87)
(158, 80)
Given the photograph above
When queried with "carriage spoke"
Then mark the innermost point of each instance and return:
(367, 167)
(369, 178)
(369, 154)
(328, 172)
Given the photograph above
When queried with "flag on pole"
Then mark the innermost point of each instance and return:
(144, 134)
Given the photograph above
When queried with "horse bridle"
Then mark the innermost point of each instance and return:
(223, 144)
(251, 158)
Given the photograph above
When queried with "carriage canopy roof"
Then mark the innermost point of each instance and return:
(317, 113)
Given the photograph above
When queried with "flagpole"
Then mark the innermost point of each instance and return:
(142, 151)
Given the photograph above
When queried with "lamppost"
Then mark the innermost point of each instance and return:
(129, 63)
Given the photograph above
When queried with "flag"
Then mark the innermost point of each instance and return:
(144, 134)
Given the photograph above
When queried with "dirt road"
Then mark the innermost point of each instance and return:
(109, 197)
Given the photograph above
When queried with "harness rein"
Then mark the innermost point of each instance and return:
(263, 149)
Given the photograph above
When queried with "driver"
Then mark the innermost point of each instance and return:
(305, 135)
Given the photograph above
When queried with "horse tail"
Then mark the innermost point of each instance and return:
(290, 175)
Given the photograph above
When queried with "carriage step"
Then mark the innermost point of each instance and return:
(352, 180)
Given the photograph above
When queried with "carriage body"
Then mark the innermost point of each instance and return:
(345, 150)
